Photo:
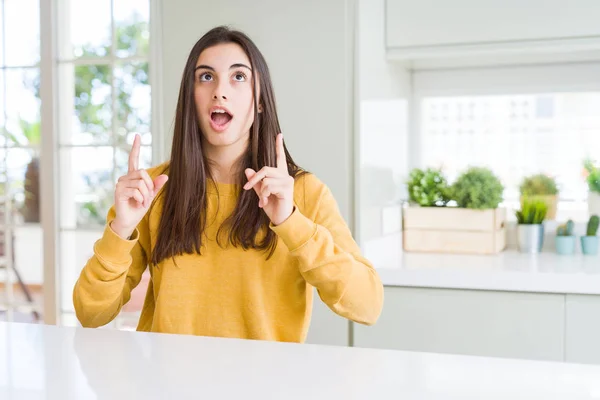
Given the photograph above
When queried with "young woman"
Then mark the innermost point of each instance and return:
(235, 234)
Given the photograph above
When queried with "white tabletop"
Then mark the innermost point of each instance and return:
(509, 270)
(51, 363)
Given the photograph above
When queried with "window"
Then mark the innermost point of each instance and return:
(103, 98)
(516, 132)
(104, 101)
(20, 231)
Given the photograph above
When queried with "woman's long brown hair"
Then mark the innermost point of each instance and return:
(183, 217)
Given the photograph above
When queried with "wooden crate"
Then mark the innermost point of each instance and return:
(454, 230)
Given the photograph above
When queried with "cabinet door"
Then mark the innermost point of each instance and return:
(430, 23)
(583, 329)
(327, 327)
(484, 323)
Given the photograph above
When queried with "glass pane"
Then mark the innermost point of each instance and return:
(23, 107)
(28, 263)
(1, 51)
(26, 258)
(4, 295)
(21, 185)
(86, 186)
(69, 318)
(87, 91)
(25, 315)
(123, 159)
(131, 25)
(2, 102)
(22, 30)
(132, 102)
(3, 186)
(76, 247)
(90, 33)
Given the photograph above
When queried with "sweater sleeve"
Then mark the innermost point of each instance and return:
(112, 272)
(329, 259)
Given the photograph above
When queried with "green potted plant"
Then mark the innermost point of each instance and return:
(541, 187)
(565, 238)
(428, 188)
(475, 226)
(589, 242)
(592, 177)
(477, 188)
(530, 228)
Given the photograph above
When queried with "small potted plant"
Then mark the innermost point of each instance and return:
(428, 188)
(530, 229)
(477, 188)
(541, 187)
(592, 177)
(565, 238)
(589, 242)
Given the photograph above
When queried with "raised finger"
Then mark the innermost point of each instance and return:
(134, 155)
(281, 159)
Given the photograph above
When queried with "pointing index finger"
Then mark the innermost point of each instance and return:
(134, 155)
(281, 160)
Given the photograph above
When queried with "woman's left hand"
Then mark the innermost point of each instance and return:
(274, 187)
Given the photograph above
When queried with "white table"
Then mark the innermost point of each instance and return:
(48, 362)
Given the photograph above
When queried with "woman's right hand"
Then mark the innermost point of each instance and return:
(134, 194)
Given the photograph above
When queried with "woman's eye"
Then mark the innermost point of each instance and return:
(205, 77)
(239, 77)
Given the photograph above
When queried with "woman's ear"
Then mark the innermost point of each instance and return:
(260, 108)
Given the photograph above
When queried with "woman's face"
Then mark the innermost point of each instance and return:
(223, 94)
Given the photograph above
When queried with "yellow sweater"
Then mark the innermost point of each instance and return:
(231, 292)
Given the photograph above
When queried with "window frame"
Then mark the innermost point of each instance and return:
(50, 12)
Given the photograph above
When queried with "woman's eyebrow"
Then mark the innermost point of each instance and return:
(237, 65)
(204, 67)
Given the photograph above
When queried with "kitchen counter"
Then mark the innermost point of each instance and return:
(510, 270)
(48, 362)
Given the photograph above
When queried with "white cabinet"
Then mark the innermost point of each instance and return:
(327, 327)
(439, 25)
(582, 329)
(483, 323)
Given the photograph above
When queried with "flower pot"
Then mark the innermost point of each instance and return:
(530, 237)
(565, 245)
(550, 199)
(589, 245)
(453, 230)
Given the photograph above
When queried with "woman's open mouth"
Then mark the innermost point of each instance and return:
(220, 119)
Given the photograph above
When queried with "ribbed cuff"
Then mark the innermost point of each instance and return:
(295, 231)
(113, 248)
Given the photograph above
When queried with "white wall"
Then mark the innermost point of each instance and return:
(383, 94)
(309, 48)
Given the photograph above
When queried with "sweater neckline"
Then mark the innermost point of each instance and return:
(222, 189)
